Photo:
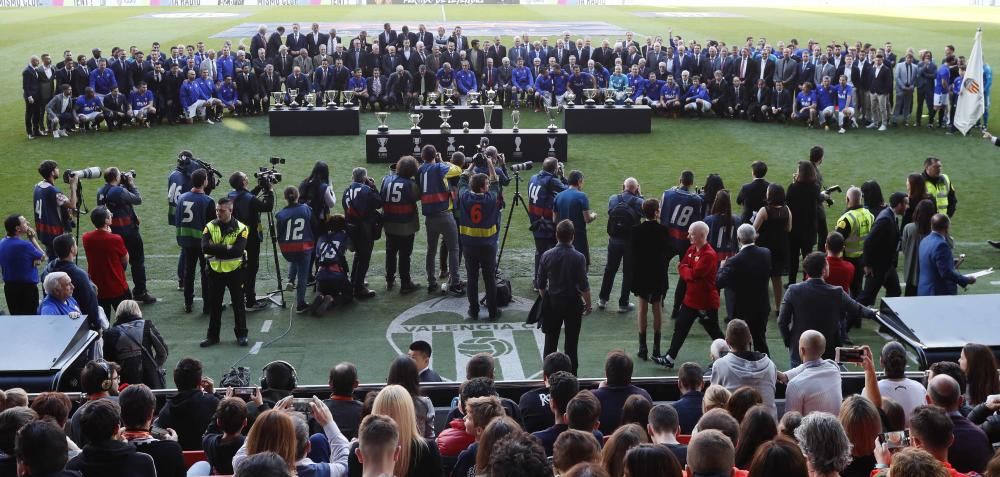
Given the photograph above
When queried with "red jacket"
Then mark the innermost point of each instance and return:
(453, 440)
(698, 269)
(841, 273)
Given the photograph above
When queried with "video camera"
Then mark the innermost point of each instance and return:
(88, 173)
(189, 163)
(266, 177)
(830, 190)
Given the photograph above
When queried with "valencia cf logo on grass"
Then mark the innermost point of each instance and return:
(971, 85)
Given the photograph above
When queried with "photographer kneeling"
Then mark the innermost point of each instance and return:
(247, 206)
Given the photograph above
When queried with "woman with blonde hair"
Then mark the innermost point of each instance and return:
(273, 431)
(862, 423)
(136, 345)
(623, 440)
(716, 396)
(418, 456)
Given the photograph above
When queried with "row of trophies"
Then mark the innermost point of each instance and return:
(331, 97)
(591, 93)
(552, 111)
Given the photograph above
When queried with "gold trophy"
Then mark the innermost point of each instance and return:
(488, 115)
(553, 112)
(570, 98)
(277, 97)
(348, 98)
(293, 94)
(445, 116)
(449, 93)
(432, 98)
(382, 117)
(330, 96)
(590, 93)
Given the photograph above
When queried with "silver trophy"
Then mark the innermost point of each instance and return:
(293, 94)
(570, 98)
(628, 96)
(277, 97)
(465, 127)
(382, 117)
(590, 93)
(416, 146)
(330, 96)
(515, 118)
(382, 141)
(415, 122)
(552, 146)
(491, 96)
(553, 112)
(609, 102)
(474, 98)
(449, 93)
(310, 100)
(348, 97)
(488, 115)
(445, 127)
(432, 99)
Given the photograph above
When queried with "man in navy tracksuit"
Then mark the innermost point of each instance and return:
(479, 207)
(119, 195)
(361, 203)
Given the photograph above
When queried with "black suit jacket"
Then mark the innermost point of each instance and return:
(768, 72)
(806, 72)
(117, 104)
(464, 43)
(854, 77)
(282, 65)
(737, 100)
(356, 58)
(301, 83)
(816, 305)
(782, 99)
(248, 86)
(295, 44)
(386, 39)
(748, 275)
(881, 245)
(338, 79)
(268, 84)
(64, 77)
(273, 44)
(157, 87)
(313, 44)
(122, 74)
(427, 38)
(321, 78)
(257, 43)
(881, 84)
(752, 195)
(31, 84)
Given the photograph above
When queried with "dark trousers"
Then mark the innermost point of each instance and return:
(22, 298)
(363, 245)
(925, 96)
(218, 283)
(821, 228)
(798, 248)
(251, 268)
(66, 120)
(757, 323)
(481, 258)
(137, 261)
(619, 253)
(113, 120)
(541, 246)
(685, 319)
(887, 278)
(681, 284)
(111, 304)
(559, 311)
(859, 275)
(33, 116)
(339, 289)
(910, 290)
(398, 249)
(192, 258)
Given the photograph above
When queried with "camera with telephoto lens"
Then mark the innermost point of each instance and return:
(828, 191)
(522, 166)
(88, 173)
(189, 163)
(267, 177)
(129, 174)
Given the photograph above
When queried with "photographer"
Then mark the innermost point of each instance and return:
(119, 195)
(490, 153)
(542, 190)
(179, 182)
(296, 242)
(624, 213)
(194, 210)
(436, 204)
(247, 206)
(361, 203)
(52, 208)
(399, 195)
(479, 213)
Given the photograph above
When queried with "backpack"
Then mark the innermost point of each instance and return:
(621, 219)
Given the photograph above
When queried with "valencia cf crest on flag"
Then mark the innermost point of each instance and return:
(971, 85)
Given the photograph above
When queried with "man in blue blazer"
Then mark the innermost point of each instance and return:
(937, 265)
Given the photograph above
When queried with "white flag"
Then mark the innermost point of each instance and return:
(971, 103)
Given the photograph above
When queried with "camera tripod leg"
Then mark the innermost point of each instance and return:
(280, 292)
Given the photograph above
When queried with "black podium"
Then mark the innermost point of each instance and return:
(314, 122)
(524, 145)
(44, 353)
(603, 120)
(459, 114)
(937, 327)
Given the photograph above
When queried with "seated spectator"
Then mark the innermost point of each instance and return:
(278, 383)
(519, 456)
(663, 428)
(573, 447)
(756, 428)
(455, 439)
(563, 386)
(861, 421)
(338, 444)
(104, 454)
(971, 450)
(479, 412)
(230, 418)
(265, 464)
(583, 413)
(788, 423)
(56, 407)
(12, 420)
(273, 431)
(719, 420)
(636, 411)
(346, 410)
(813, 385)
(403, 371)
(138, 407)
(650, 460)
(40, 450)
(99, 381)
(930, 430)
(895, 418)
(190, 411)
(586, 469)
(711, 453)
(613, 454)
(84, 290)
(916, 462)
(954, 370)
(690, 381)
(14, 397)
(744, 367)
(778, 457)
(136, 345)
(980, 365)
(908, 393)
(615, 389)
(716, 350)
(534, 405)
(824, 444)
(741, 401)
(420, 352)
(58, 296)
(716, 397)
(417, 456)
(482, 386)
(378, 446)
(497, 430)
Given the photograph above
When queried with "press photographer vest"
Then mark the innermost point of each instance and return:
(477, 222)
(122, 214)
(225, 265)
(940, 192)
(861, 221)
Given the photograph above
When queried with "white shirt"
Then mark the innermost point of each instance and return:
(814, 386)
(908, 393)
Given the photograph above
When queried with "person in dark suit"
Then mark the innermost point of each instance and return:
(763, 68)
(31, 88)
(718, 92)
(937, 264)
(315, 38)
(274, 42)
(806, 71)
(283, 62)
(321, 78)
(424, 36)
(399, 87)
(339, 76)
(247, 87)
(461, 42)
(172, 93)
(378, 87)
(268, 83)
(136, 71)
(753, 195)
(372, 61)
(880, 88)
(64, 75)
(404, 35)
(260, 40)
(296, 41)
(781, 103)
(816, 305)
(418, 56)
(356, 57)
(387, 37)
(690, 381)
(881, 252)
(116, 108)
(498, 51)
(760, 100)
(119, 66)
(748, 274)
(970, 449)
(156, 81)
(297, 81)
(95, 56)
(786, 71)
(738, 100)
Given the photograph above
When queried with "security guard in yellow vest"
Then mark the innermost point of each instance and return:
(939, 187)
(855, 225)
(224, 244)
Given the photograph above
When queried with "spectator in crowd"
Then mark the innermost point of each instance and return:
(265, 464)
(346, 410)
(711, 453)
(918, 462)
(104, 453)
(616, 388)
(573, 447)
(519, 456)
(690, 381)
(971, 450)
(58, 296)
(478, 387)
(636, 411)
(420, 352)
(954, 370)
(534, 404)
(272, 431)
(980, 365)
(894, 416)
(936, 263)
(56, 406)
(862, 423)
(220, 447)
(773, 223)
(789, 422)
(716, 397)
(813, 385)
(824, 443)
(14, 397)
(583, 413)
(138, 406)
(12, 420)
(83, 289)
(663, 428)
(335, 444)
(479, 413)
(41, 451)
(403, 372)
(895, 385)
(719, 420)
(745, 276)
(613, 453)
(562, 283)
(136, 345)
(743, 367)
(99, 381)
(20, 255)
(498, 429)
(190, 410)
(647, 241)
(417, 456)
(744, 398)
(563, 386)
(930, 430)
(756, 428)
(107, 259)
(653, 461)
(378, 445)
(778, 457)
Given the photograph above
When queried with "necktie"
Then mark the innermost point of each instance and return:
(157, 77)
(909, 72)
(743, 68)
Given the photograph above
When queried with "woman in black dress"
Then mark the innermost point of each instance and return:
(803, 201)
(649, 282)
(773, 224)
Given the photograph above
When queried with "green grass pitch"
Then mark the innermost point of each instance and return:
(369, 334)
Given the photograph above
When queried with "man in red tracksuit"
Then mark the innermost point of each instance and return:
(701, 299)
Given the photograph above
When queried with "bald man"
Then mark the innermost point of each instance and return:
(970, 451)
(813, 385)
(624, 213)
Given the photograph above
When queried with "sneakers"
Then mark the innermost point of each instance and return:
(625, 309)
(457, 289)
(841, 131)
(408, 287)
(432, 287)
(242, 341)
(209, 121)
(56, 134)
(290, 286)
(602, 304)
(882, 128)
(871, 126)
(302, 308)
(665, 361)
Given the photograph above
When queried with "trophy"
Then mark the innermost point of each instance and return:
(382, 117)
(570, 98)
(609, 102)
(515, 118)
(491, 95)
(449, 93)
(330, 96)
(628, 96)
(465, 127)
(310, 100)
(293, 94)
(590, 93)
(445, 127)
(553, 112)
(276, 98)
(488, 115)
(348, 96)
(415, 123)
(474, 98)
(432, 98)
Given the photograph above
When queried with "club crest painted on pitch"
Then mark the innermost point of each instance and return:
(515, 346)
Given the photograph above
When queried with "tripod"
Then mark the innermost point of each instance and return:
(510, 213)
(272, 232)
(81, 208)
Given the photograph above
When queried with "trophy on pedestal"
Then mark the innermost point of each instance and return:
(277, 97)
(491, 95)
(445, 127)
(330, 96)
(488, 115)
(515, 119)
(474, 98)
(310, 100)
(449, 93)
(590, 93)
(293, 94)
(432, 99)
(382, 117)
(570, 98)
(415, 123)
(465, 127)
(628, 96)
(553, 112)
(609, 101)
(348, 97)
